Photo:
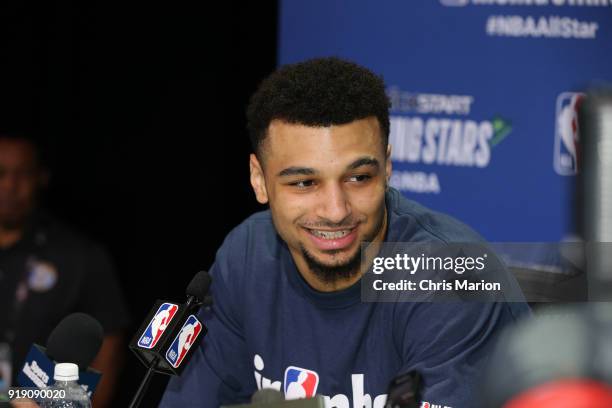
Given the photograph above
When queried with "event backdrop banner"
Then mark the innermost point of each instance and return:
(484, 96)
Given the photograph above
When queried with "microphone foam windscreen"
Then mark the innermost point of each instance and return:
(557, 344)
(76, 339)
(199, 285)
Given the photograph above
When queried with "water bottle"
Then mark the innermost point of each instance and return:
(66, 376)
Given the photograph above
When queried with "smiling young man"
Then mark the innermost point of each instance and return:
(287, 311)
(326, 190)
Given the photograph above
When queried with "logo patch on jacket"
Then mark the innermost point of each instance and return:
(300, 383)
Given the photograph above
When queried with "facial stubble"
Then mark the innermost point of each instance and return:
(330, 274)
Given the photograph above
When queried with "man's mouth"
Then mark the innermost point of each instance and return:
(330, 234)
(326, 240)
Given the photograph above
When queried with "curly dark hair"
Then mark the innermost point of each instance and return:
(318, 92)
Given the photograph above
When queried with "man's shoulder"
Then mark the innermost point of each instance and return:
(249, 258)
(256, 230)
(260, 219)
(410, 221)
(254, 241)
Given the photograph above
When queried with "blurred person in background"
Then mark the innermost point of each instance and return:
(48, 270)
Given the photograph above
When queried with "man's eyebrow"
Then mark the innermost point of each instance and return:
(364, 161)
(308, 171)
(297, 171)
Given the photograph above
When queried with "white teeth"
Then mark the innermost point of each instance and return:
(330, 234)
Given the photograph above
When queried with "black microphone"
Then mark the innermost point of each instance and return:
(198, 288)
(76, 339)
(165, 340)
(404, 391)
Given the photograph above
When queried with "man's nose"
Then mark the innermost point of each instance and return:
(334, 206)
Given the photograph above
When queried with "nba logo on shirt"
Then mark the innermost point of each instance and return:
(183, 341)
(300, 383)
(566, 133)
(158, 324)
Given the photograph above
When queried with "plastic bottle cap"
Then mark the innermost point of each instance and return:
(66, 372)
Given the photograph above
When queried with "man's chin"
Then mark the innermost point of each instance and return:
(333, 266)
(331, 257)
(337, 259)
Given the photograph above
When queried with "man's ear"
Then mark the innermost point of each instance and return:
(388, 164)
(258, 181)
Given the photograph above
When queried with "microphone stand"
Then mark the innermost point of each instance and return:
(144, 384)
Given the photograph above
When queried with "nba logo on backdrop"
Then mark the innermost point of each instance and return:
(567, 137)
(300, 383)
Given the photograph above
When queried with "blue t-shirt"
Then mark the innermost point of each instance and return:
(268, 328)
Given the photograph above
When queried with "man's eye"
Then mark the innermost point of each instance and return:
(302, 183)
(360, 178)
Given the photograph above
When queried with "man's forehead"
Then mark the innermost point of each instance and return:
(321, 149)
(283, 137)
(276, 124)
